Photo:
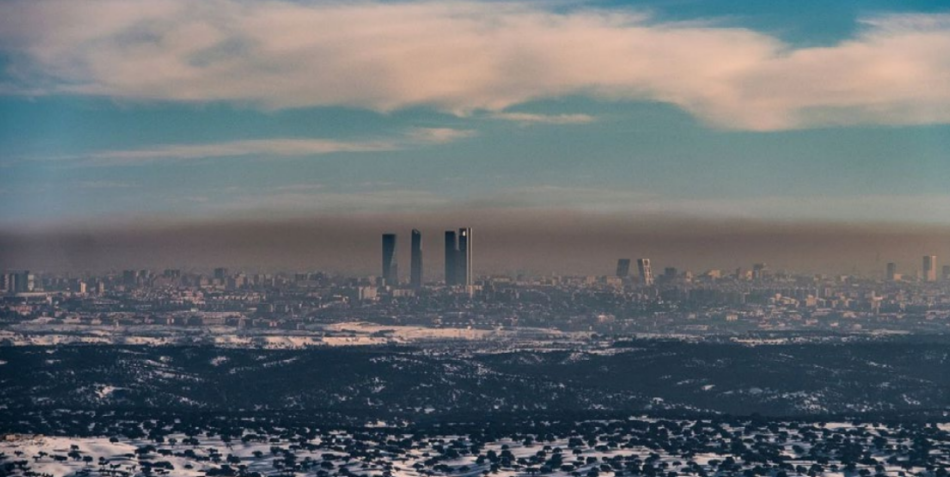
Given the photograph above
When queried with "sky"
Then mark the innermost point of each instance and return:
(117, 115)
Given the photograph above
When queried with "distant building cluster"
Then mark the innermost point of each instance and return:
(17, 282)
(671, 301)
(642, 299)
(928, 271)
(458, 260)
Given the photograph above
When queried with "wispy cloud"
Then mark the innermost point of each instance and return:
(265, 147)
(465, 56)
(439, 135)
(530, 118)
(279, 147)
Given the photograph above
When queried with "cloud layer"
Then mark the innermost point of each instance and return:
(529, 118)
(277, 147)
(463, 56)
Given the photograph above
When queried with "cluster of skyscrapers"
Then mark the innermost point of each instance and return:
(16, 282)
(928, 270)
(458, 259)
(643, 266)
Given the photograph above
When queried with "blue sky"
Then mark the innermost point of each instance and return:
(806, 110)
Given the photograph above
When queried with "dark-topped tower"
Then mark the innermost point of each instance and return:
(415, 270)
(390, 267)
(451, 254)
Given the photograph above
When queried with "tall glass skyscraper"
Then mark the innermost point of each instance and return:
(646, 272)
(451, 253)
(623, 267)
(390, 267)
(415, 271)
(464, 261)
(930, 268)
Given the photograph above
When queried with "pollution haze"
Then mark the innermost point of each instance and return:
(508, 241)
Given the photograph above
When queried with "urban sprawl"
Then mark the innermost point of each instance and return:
(631, 299)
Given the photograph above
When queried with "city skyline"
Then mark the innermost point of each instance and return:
(25, 284)
(509, 245)
(458, 268)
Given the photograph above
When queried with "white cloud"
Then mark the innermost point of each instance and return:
(439, 135)
(465, 56)
(268, 147)
(530, 118)
(279, 147)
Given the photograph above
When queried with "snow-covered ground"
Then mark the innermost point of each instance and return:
(339, 334)
(638, 446)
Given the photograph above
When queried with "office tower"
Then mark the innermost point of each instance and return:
(221, 274)
(891, 274)
(415, 272)
(390, 268)
(758, 271)
(12, 282)
(21, 282)
(464, 261)
(28, 281)
(451, 254)
(930, 268)
(623, 267)
(646, 273)
(946, 273)
(669, 274)
(9, 282)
